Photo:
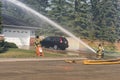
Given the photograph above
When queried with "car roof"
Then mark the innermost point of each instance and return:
(55, 37)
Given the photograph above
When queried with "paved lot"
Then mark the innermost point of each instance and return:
(57, 70)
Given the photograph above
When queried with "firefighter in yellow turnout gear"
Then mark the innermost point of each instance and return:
(39, 51)
(100, 53)
(37, 41)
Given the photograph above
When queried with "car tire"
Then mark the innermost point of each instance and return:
(55, 47)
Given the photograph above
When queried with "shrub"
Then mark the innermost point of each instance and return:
(10, 45)
(2, 46)
(5, 45)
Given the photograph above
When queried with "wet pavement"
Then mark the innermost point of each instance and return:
(57, 70)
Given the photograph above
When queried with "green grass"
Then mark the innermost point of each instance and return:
(20, 53)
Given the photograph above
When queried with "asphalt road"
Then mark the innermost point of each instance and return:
(57, 70)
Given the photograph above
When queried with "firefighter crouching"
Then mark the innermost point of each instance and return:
(100, 52)
(39, 51)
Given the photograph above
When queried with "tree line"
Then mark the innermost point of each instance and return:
(0, 17)
(91, 19)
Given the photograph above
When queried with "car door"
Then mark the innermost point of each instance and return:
(46, 42)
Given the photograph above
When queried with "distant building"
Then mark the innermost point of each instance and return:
(22, 36)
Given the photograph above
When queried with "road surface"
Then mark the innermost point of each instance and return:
(57, 70)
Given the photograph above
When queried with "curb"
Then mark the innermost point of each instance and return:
(36, 59)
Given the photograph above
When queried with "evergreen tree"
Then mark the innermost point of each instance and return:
(24, 16)
(105, 18)
(82, 22)
(118, 19)
(72, 13)
(0, 17)
(58, 10)
(39, 5)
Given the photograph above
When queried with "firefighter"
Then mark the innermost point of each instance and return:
(39, 51)
(100, 53)
(37, 41)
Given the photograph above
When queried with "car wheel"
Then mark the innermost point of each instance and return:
(55, 47)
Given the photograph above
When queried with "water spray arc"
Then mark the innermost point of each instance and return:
(22, 5)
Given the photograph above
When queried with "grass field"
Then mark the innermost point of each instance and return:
(21, 53)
